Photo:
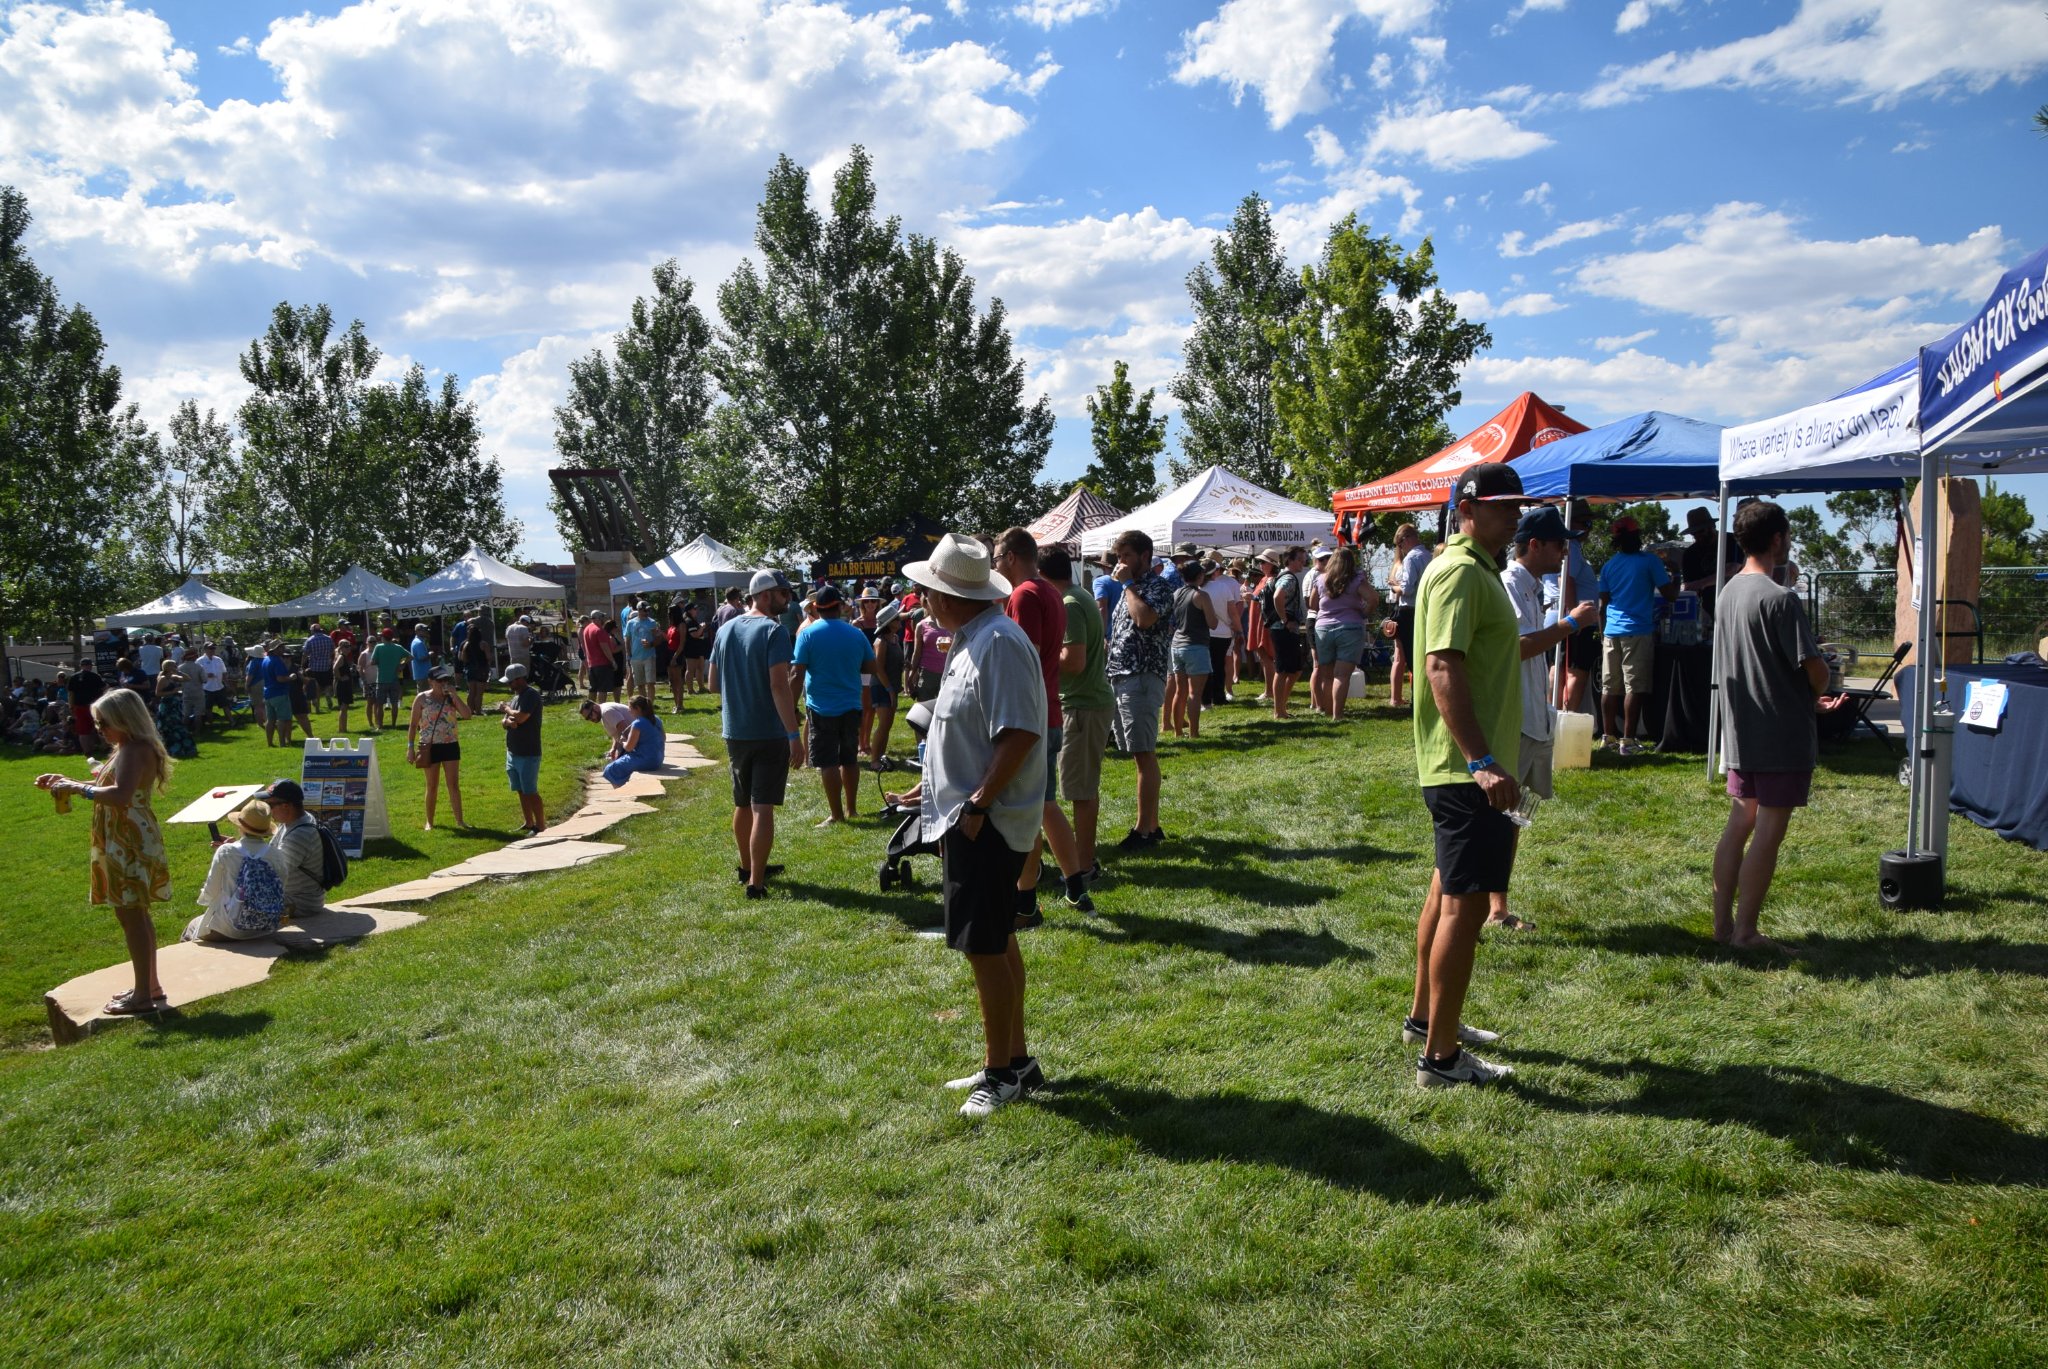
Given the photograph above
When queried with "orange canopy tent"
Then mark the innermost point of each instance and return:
(1524, 425)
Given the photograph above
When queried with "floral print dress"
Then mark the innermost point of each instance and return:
(129, 868)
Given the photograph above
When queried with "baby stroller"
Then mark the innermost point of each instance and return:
(549, 675)
(908, 838)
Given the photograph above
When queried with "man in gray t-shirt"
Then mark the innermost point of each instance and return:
(1769, 671)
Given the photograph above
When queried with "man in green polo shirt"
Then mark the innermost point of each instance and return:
(1089, 709)
(1468, 726)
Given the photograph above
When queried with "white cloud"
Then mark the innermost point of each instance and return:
(1912, 145)
(1875, 50)
(241, 47)
(1538, 195)
(1085, 273)
(1616, 344)
(1637, 13)
(1324, 147)
(1283, 48)
(1515, 244)
(1381, 72)
(1068, 374)
(1427, 58)
(1051, 13)
(1453, 139)
(1791, 318)
(1477, 304)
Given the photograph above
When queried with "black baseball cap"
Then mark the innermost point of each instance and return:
(828, 593)
(1489, 481)
(284, 791)
(1543, 523)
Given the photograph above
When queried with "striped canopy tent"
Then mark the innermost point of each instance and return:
(1064, 523)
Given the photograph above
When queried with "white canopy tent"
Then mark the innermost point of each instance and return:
(355, 592)
(192, 602)
(1215, 510)
(1971, 404)
(475, 577)
(703, 563)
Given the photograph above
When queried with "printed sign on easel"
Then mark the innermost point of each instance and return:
(345, 790)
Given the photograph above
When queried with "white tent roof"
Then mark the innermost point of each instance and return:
(355, 591)
(703, 563)
(1215, 509)
(191, 602)
(476, 577)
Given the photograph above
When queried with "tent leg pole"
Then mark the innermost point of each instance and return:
(1921, 801)
(1713, 678)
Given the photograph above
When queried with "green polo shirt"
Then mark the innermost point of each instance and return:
(1463, 607)
(1090, 688)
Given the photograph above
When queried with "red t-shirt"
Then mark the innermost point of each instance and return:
(597, 644)
(343, 637)
(1037, 607)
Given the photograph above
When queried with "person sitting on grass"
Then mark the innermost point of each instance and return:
(244, 891)
(129, 868)
(296, 848)
(26, 723)
(57, 738)
(642, 745)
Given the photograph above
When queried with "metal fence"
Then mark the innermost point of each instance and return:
(1856, 608)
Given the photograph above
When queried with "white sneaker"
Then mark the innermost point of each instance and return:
(988, 1095)
(1466, 1069)
(1029, 1078)
(1415, 1034)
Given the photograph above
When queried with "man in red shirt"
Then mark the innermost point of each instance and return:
(601, 658)
(1036, 606)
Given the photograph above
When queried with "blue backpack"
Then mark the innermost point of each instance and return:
(259, 896)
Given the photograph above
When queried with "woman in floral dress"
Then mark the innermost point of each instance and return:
(129, 870)
(170, 712)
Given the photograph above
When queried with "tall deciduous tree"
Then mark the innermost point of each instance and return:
(1368, 367)
(1128, 440)
(72, 458)
(643, 411)
(864, 385)
(438, 493)
(301, 505)
(1240, 296)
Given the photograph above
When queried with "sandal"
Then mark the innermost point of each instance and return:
(127, 1005)
(1508, 922)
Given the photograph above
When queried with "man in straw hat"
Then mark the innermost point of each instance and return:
(982, 797)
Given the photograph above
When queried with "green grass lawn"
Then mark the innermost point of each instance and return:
(621, 1115)
(51, 933)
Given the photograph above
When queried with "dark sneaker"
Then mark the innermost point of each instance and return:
(1464, 1068)
(771, 870)
(1027, 921)
(1077, 895)
(1415, 1033)
(757, 891)
(1134, 840)
(1030, 1078)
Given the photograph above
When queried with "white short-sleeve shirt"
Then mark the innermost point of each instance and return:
(1525, 591)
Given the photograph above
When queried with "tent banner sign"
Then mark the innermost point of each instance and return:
(1870, 424)
(2006, 344)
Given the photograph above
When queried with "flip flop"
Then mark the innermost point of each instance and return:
(1511, 923)
(125, 1005)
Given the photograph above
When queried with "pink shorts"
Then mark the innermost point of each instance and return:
(1771, 788)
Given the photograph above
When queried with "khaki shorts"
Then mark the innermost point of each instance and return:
(1532, 769)
(1084, 737)
(1629, 665)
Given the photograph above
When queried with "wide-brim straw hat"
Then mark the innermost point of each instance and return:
(253, 818)
(959, 566)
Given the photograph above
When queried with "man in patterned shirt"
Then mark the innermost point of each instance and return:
(1138, 658)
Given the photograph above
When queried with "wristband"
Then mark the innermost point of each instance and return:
(796, 736)
(1571, 624)
(1474, 767)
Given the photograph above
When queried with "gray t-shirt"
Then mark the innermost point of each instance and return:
(1761, 642)
(298, 856)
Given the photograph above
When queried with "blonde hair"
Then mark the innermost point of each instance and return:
(124, 710)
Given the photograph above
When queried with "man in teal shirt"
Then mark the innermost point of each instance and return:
(1468, 727)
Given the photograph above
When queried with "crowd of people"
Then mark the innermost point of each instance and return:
(1019, 676)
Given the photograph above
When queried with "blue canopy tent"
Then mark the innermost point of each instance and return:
(1651, 455)
(1975, 402)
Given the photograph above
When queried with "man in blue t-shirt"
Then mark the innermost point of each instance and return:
(422, 657)
(642, 633)
(274, 675)
(750, 667)
(832, 656)
(1629, 585)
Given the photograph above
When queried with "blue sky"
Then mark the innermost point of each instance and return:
(1716, 207)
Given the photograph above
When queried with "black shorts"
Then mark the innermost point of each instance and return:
(1475, 842)
(980, 890)
(696, 650)
(323, 678)
(835, 740)
(437, 752)
(345, 687)
(760, 771)
(1404, 630)
(1286, 652)
(1582, 651)
(604, 679)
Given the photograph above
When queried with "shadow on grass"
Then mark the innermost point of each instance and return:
(1238, 851)
(197, 1023)
(1267, 946)
(1832, 1121)
(917, 908)
(1349, 1152)
(1908, 956)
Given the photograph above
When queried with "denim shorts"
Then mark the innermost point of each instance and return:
(523, 773)
(1191, 660)
(1339, 645)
